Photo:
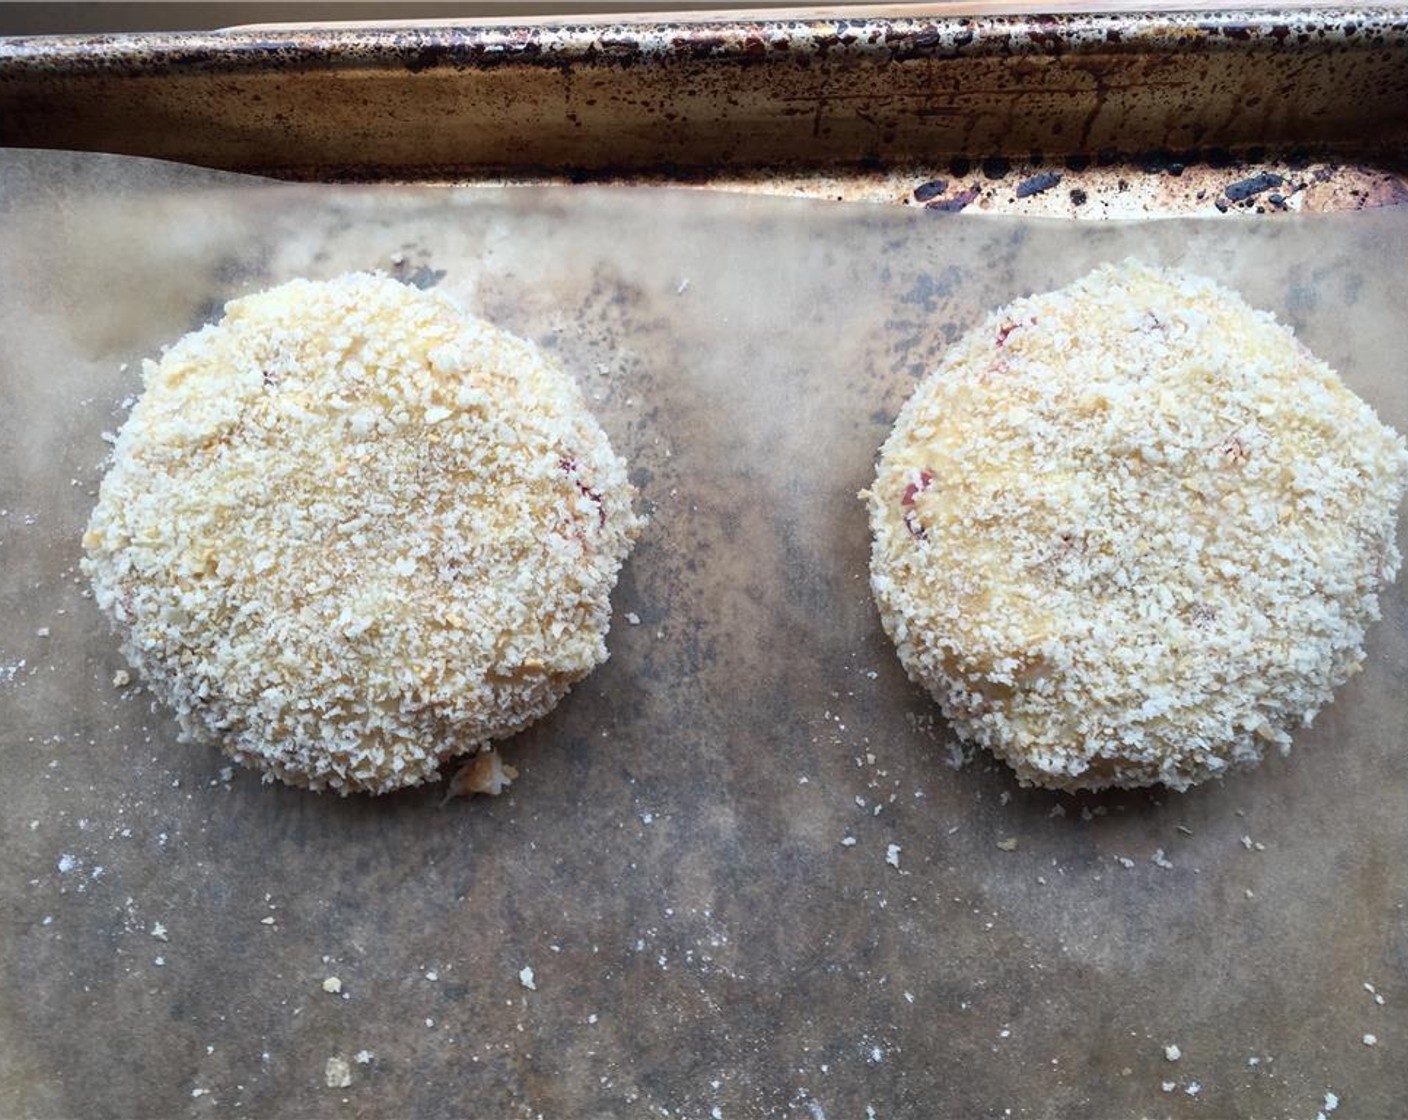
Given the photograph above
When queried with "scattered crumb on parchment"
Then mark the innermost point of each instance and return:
(337, 1073)
(485, 773)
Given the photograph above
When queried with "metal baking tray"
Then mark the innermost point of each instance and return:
(1085, 114)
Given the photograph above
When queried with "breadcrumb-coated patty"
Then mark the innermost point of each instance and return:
(350, 532)
(1132, 532)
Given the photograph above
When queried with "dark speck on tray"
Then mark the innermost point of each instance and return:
(1037, 183)
(1153, 162)
(957, 202)
(1246, 188)
(932, 189)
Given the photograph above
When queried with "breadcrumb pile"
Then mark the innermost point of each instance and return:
(350, 532)
(1132, 531)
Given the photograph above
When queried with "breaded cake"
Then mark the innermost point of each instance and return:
(350, 532)
(1132, 532)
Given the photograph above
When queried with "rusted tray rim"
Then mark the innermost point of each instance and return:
(484, 45)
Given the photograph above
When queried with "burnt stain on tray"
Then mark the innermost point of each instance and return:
(1043, 181)
(955, 202)
(925, 192)
(1256, 184)
(1193, 181)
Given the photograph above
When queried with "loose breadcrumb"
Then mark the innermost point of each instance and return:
(1132, 532)
(351, 532)
(485, 773)
(337, 1074)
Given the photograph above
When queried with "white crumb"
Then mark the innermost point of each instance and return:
(337, 1074)
(525, 977)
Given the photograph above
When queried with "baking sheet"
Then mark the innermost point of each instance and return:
(672, 863)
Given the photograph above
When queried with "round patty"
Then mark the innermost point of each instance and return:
(1131, 532)
(350, 532)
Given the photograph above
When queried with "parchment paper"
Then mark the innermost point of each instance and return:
(673, 863)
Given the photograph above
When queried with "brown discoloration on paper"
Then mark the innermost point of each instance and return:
(670, 861)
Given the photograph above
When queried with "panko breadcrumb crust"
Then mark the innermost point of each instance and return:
(1131, 532)
(350, 532)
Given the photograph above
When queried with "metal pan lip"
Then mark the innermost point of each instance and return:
(771, 38)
